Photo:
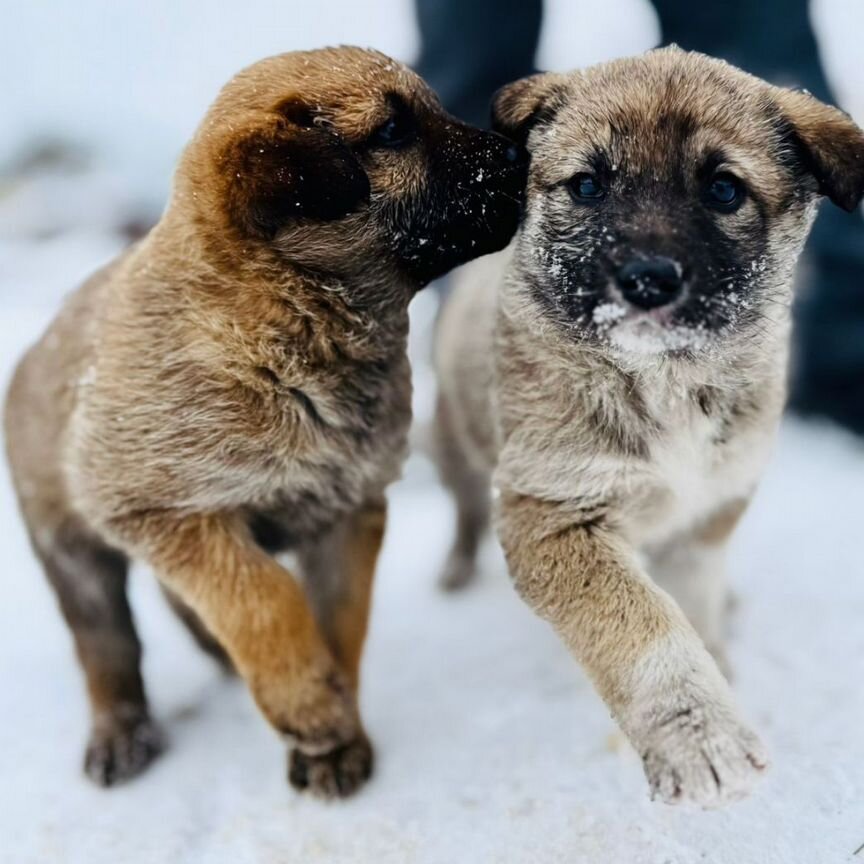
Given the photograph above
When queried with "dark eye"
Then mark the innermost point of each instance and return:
(398, 131)
(586, 187)
(725, 193)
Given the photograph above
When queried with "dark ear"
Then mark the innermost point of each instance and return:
(830, 146)
(518, 107)
(291, 169)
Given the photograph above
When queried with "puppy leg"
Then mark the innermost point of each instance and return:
(692, 568)
(90, 581)
(470, 489)
(339, 569)
(644, 657)
(196, 629)
(258, 612)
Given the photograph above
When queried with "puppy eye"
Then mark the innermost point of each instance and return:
(586, 187)
(725, 193)
(398, 131)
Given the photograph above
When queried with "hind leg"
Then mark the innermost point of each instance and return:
(470, 489)
(89, 579)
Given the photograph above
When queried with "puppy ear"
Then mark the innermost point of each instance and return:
(291, 169)
(829, 144)
(518, 107)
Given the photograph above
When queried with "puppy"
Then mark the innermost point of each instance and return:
(622, 374)
(237, 384)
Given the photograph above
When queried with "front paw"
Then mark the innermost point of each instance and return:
(337, 773)
(702, 754)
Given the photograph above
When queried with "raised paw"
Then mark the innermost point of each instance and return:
(121, 747)
(702, 755)
(336, 774)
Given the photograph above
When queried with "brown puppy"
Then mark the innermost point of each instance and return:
(619, 374)
(237, 384)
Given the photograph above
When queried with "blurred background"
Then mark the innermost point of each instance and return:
(98, 98)
(124, 84)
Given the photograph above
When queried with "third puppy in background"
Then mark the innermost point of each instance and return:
(621, 370)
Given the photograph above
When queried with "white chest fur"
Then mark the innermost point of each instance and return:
(697, 457)
(698, 462)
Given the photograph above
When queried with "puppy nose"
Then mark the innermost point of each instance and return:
(513, 153)
(504, 149)
(650, 282)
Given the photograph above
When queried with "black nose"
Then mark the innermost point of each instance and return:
(650, 282)
(503, 149)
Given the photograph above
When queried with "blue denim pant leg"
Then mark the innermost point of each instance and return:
(470, 48)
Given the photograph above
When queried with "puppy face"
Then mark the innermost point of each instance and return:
(344, 161)
(669, 197)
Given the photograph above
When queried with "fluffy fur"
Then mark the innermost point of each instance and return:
(623, 442)
(236, 384)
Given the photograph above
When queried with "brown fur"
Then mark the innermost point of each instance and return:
(237, 383)
(340, 567)
(580, 577)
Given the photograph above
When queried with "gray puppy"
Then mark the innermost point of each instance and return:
(619, 374)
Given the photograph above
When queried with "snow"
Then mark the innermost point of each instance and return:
(491, 744)
(608, 313)
(645, 335)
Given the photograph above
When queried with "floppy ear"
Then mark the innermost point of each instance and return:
(291, 169)
(518, 107)
(829, 144)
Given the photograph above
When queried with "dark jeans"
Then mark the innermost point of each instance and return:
(469, 49)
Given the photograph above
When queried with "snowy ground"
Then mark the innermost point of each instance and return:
(492, 746)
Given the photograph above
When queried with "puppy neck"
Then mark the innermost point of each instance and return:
(265, 299)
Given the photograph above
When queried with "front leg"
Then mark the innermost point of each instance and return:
(259, 613)
(645, 659)
(339, 570)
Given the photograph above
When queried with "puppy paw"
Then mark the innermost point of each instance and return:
(121, 747)
(704, 756)
(316, 710)
(335, 774)
(458, 571)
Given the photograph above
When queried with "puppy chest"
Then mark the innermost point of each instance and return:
(695, 465)
(688, 480)
(337, 458)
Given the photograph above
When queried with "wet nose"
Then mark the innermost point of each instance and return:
(513, 153)
(505, 150)
(650, 282)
